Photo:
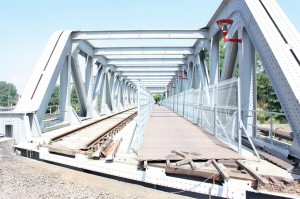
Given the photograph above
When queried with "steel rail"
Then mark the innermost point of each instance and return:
(86, 125)
(95, 140)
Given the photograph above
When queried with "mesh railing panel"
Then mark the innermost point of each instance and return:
(214, 108)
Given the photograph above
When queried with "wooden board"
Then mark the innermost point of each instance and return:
(167, 131)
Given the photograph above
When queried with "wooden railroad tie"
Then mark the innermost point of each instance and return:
(193, 166)
(274, 180)
(168, 163)
(207, 173)
(207, 163)
(259, 178)
(229, 163)
(179, 153)
(145, 164)
(221, 168)
(184, 161)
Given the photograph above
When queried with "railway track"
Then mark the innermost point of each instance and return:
(92, 136)
(276, 159)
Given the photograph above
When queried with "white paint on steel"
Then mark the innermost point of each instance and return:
(140, 34)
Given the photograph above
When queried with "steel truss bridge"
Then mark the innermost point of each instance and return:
(109, 80)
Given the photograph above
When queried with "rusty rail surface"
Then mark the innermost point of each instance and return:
(92, 136)
(87, 125)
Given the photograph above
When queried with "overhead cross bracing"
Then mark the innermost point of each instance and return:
(105, 68)
(144, 51)
(140, 34)
(155, 66)
(132, 62)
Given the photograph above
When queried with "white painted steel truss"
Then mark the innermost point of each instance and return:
(106, 77)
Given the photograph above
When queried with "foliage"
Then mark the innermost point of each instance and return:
(266, 96)
(158, 97)
(207, 61)
(263, 117)
(74, 99)
(8, 94)
(54, 100)
(222, 49)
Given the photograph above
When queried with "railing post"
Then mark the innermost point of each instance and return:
(271, 123)
(239, 117)
(215, 109)
(138, 116)
(202, 107)
(198, 106)
(254, 113)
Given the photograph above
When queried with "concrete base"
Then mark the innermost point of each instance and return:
(7, 144)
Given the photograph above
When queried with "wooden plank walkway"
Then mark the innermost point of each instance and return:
(167, 131)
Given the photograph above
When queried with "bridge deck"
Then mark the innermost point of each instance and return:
(167, 131)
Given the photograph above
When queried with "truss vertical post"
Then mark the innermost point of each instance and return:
(197, 73)
(108, 99)
(77, 78)
(65, 90)
(203, 69)
(214, 59)
(91, 112)
(247, 66)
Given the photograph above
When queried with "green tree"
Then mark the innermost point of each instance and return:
(74, 99)
(157, 98)
(222, 49)
(54, 100)
(8, 94)
(266, 96)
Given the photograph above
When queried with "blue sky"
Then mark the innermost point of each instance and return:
(27, 25)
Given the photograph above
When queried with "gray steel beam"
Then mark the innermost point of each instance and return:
(65, 107)
(229, 60)
(144, 56)
(146, 68)
(145, 62)
(149, 81)
(140, 34)
(247, 74)
(85, 47)
(135, 73)
(214, 57)
(42, 82)
(148, 77)
(78, 83)
(144, 51)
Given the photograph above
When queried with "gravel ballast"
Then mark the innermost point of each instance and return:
(21, 177)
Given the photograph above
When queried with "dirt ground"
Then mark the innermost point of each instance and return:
(292, 187)
(26, 178)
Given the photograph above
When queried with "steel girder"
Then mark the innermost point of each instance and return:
(140, 34)
(145, 62)
(97, 95)
(144, 51)
(277, 42)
